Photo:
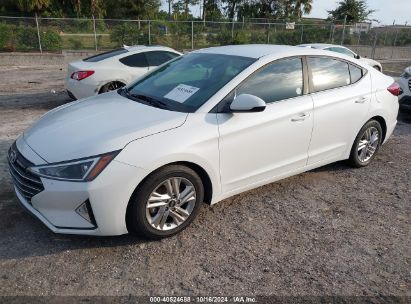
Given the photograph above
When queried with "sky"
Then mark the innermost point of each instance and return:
(386, 10)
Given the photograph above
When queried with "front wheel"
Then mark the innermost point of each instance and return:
(166, 202)
(366, 144)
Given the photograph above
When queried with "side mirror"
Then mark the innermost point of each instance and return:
(247, 103)
(357, 56)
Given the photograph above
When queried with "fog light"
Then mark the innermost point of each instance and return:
(85, 211)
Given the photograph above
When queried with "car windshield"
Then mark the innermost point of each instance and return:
(187, 82)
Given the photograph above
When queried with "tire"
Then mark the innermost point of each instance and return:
(172, 216)
(111, 86)
(370, 145)
(377, 68)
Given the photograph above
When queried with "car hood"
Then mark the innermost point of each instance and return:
(96, 125)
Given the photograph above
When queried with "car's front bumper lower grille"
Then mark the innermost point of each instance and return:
(26, 182)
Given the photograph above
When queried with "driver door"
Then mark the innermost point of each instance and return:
(257, 147)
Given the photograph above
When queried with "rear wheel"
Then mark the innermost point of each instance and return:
(166, 202)
(366, 144)
(111, 86)
(377, 68)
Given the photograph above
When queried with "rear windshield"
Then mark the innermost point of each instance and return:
(105, 55)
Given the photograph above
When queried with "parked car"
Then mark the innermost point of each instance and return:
(405, 83)
(114, 69)
(203, 127)
(346, 51)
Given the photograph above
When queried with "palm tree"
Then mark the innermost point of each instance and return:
(32, 5)
(302, 7)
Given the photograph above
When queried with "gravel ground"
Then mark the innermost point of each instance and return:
(331, 231)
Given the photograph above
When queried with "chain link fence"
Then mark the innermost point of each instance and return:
(57, 34)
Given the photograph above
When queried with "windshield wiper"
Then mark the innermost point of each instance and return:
(152, 101)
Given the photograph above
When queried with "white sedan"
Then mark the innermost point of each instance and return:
(114, 69)
(346, 51)
(202, 127)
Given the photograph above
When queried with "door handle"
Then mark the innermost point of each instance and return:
(361, 100)
(300, 117)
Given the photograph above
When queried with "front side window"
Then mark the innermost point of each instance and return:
(328, 73)
(280, 80)
(187, 82)
(156, 58)
(136, 60)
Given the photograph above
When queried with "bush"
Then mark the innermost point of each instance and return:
(51, 41)
(27, 39)
(126, 33)
(75, 44)
(24, 38)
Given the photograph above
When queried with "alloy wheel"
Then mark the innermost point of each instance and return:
(171, 203)
(368, 144)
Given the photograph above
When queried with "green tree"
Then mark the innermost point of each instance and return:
(29, 6)
(302, 7)
(355, 10)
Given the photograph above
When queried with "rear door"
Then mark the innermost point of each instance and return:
(341, 92)
(135, 65)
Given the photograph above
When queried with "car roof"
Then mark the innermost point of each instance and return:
(320, 45)
(135, 48)
(261, 50)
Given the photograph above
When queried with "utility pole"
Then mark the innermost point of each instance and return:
(169, 9)
(343, 33)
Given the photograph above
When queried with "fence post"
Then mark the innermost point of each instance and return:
(302, 32)
(332, 33)
(395, 41)
(359, 37)
(268, 33)
(192, 35)
(374, 45)
(343, 33)
(38, 34)
(149, 32)
(95, 34)
(232, 29)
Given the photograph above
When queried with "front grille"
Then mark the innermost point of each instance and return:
(409, 84)
(26, 182)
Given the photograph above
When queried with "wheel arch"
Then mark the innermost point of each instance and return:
(104, 83)
(383, 124)
(202, 173)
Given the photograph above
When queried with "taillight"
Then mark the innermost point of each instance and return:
(395, 89)
(79, 75)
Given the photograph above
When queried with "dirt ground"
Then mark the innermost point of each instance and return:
(332, 231)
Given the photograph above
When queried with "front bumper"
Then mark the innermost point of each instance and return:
(405, 102)
(108, 196)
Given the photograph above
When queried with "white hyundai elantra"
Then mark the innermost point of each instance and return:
(200, 128)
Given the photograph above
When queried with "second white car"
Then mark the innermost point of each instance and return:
(112, 70)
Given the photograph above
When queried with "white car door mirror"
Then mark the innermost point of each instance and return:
(247, 103)
(357, 56)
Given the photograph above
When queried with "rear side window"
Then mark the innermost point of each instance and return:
(356, 73)
(342, 51)
(328, 73)
(282, 79)
(157, 58)
(105, 55)
(136, 60)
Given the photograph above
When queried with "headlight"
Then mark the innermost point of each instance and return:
(85, 169)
